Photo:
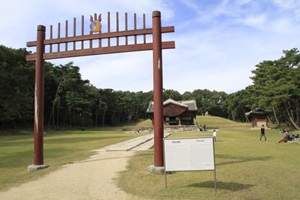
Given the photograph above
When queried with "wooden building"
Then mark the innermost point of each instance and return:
(258, 117)
(176, 112)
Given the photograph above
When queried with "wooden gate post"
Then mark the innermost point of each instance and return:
(158, 90)
(39, 98)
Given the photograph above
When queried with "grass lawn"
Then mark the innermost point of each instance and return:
(245, 168)
(60, 147)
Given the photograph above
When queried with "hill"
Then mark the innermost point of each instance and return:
(209, 121)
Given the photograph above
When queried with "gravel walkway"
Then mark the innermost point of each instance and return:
(91, 179)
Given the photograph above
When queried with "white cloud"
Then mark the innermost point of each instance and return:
(255, 21)
(287, 4)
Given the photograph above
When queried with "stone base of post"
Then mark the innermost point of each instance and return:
(156, 170)
(32, 168)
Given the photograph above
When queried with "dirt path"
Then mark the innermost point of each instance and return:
(91, 179)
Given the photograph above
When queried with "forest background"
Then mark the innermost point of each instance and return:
(75, 103)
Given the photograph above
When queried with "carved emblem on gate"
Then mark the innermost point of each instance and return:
(95, 25)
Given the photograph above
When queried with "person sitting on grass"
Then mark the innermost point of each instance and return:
(286, 138)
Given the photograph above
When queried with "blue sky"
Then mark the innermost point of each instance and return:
(218, 42)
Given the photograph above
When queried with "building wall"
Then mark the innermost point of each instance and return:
(172, 110)
(258, 122)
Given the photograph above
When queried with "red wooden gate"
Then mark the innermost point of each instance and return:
(64, 46)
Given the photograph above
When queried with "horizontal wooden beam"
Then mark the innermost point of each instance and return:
(102, 50)
(167, 29)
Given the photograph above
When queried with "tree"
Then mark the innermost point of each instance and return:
(16, 87)
(171, 94)
(277, 82)
(69, 100)
(237, 105)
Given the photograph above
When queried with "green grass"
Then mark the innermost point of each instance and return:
(219, 122)
(213, 121)
(201, 120)
(16, 152)
(245, 168)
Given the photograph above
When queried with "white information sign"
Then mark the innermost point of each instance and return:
(189, 154)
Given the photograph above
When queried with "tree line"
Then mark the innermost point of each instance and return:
(71, 101)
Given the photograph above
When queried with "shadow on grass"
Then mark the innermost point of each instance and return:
(222, 185)
(236, 159)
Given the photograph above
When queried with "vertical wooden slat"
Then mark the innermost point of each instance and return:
(91, 41)
(91, 44)
(74, 32)
(108, 28)
(117, 26)
(66, 34)
(144, 26)
(126, 28)
(135, 37)
(82, 31)
(58, 36)
(51, 37)
(100, 40)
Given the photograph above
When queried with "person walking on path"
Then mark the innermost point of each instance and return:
(215, 135)
(262, 133)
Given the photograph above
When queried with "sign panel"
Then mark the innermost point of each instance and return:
(189, 154)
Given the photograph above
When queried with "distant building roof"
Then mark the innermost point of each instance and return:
(258, 112)
(190, 104)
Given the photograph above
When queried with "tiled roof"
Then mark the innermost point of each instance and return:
(258, 111)
(190, 104)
